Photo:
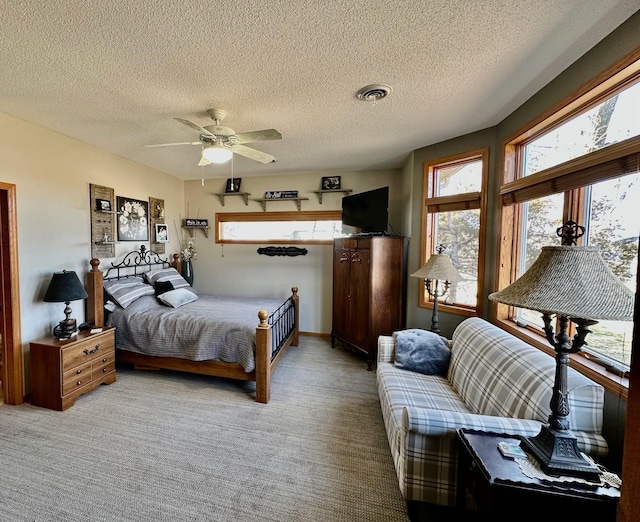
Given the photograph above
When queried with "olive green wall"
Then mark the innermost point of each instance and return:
(623, 41)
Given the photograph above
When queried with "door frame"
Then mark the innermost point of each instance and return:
(10, 327)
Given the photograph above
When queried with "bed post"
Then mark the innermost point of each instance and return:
(95, 303)
(296, 305)
(263, 359)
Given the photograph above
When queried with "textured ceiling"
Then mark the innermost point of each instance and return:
(114, 74)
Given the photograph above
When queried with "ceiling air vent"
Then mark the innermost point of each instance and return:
(373, 92)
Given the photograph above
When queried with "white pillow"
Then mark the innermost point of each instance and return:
(178, 297)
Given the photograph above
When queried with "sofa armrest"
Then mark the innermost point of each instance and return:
(386, 349)
(437, 423)
(440, 422)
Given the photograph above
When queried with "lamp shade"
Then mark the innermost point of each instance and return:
(217, 153)
(64, 287)
(570, 281)
(438, 267)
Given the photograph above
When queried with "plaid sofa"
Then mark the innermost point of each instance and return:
(495, 382)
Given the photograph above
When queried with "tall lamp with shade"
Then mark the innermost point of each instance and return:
(437, 268)
(574, 284)
(64, 288)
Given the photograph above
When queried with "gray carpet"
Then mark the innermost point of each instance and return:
(158, 446)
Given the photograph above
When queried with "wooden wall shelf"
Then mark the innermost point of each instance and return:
(320, 192)
(264, 201)
(222, 195)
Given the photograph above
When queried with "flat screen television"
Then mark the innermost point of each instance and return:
(366, 212)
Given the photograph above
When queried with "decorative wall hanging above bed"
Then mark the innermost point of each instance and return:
(103, 214)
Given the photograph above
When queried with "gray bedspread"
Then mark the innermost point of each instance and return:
(212, 327)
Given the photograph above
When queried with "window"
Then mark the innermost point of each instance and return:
(278, 227)
(453, 216)
(581, 163)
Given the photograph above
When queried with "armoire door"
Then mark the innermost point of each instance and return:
(340, 315)
(359, 297)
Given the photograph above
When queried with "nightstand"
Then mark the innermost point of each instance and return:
(503, 492)
(62, 370)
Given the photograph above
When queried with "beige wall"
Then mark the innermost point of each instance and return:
(240, 270)
(52, 174)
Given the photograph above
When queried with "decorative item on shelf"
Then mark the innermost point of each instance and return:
(437, 268)
(574, 284)
(233, 185)
(64, 288)
(330, 183)
(281, 194)
(187, 255)
(162, 233)
(133, 224)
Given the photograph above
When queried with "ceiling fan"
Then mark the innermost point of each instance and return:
(219, 143)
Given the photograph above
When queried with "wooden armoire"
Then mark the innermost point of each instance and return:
(368, 290)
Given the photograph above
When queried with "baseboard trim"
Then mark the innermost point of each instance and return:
(316, 334)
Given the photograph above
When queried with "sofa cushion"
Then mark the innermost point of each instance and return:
(400, 388)
(421, 351)
(496, 373)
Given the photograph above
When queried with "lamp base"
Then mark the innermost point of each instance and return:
(558, 453)
(65, 329)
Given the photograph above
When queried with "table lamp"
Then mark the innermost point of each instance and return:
(574, 284)
(64, 288)
(437, 268)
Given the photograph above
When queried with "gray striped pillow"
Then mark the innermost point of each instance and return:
(126, 291)
(167, 274)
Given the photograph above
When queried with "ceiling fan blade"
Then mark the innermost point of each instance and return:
(194, 126)
(261, 135)
(172, 144)
(253, 154)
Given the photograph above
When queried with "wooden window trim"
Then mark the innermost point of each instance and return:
(467, 201)
(571, 176)
(311, 215)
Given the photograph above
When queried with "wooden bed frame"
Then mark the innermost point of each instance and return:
(266, 334)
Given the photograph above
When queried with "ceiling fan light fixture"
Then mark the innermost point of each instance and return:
(217, 153)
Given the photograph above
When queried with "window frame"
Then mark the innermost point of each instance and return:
(312, 215)
(432, 205)
(569, 178)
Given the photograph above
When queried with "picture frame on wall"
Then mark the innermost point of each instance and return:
(233, 185)
(330, 183)
(103, 205)
(162, 233)
(133, 219)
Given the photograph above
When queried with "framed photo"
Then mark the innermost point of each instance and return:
(133, 219)
(233, 185)
(162, 233)
(103, 205)
(330, 183)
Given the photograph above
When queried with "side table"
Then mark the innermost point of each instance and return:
(62, 370)
(502, 491)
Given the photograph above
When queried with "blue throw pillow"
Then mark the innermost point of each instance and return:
(422, 352)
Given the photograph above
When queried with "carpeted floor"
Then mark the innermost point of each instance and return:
(158, 446)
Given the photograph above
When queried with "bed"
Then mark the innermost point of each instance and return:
(230, 337)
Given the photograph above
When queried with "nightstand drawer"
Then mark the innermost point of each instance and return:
(76, 378)
(88, 350)
(102, 365)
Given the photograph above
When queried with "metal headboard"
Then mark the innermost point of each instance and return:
(136, 263)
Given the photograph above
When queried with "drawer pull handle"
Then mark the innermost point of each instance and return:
(104, 370)
(104, 360)
(79, 383)
(78, 372)
(89, 352)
